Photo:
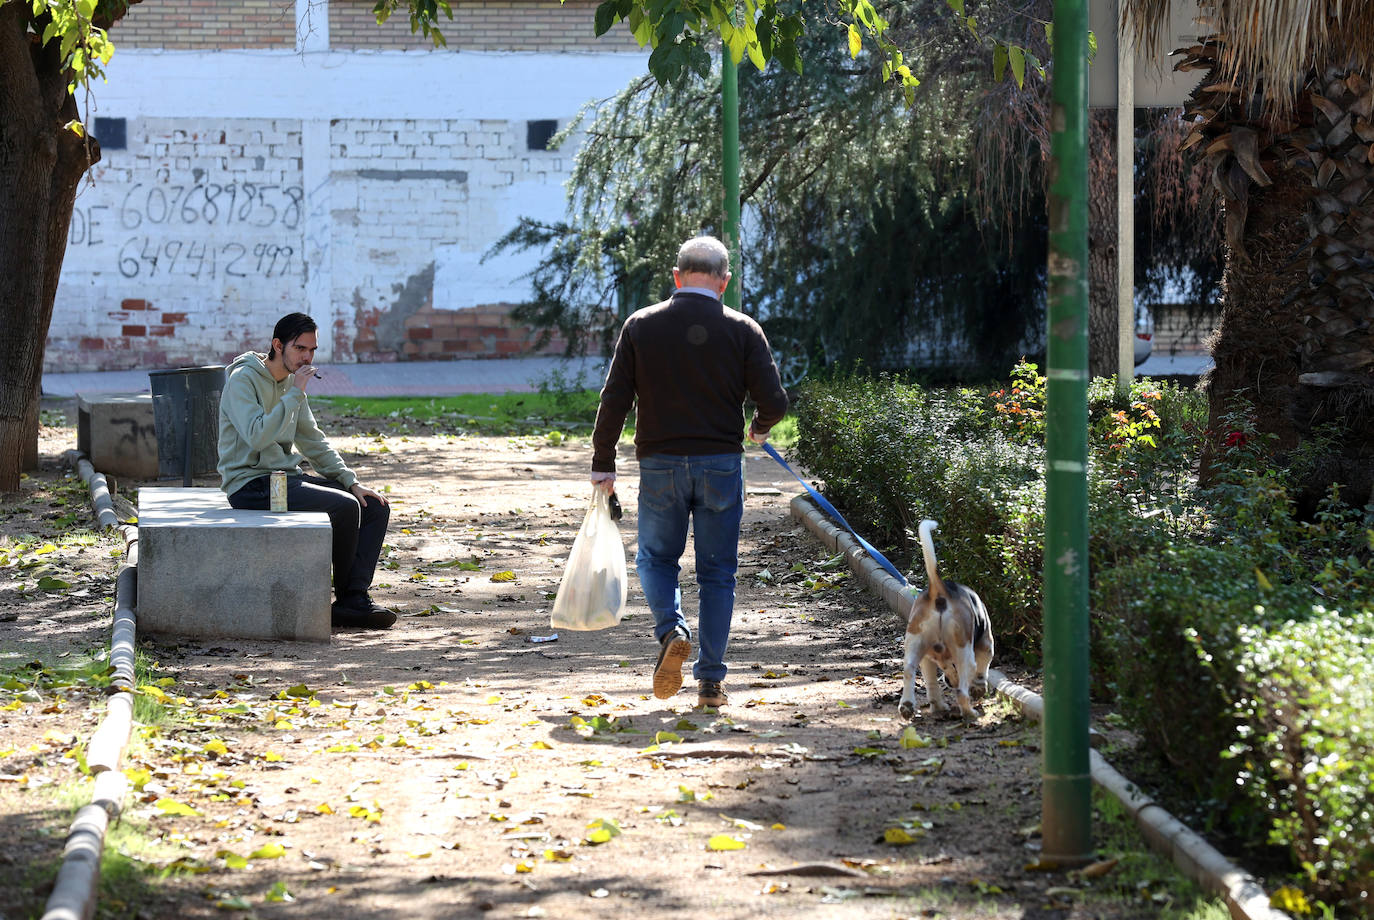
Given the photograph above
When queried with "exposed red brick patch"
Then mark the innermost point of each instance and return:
(161, 330)
(133, 304)
(174, 317)
(479, 332)
(92, 344)
(343, 349)
(133, 330)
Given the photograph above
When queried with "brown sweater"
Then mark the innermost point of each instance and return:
(686, 365)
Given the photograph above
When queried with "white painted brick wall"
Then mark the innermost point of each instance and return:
(160, 271)
(210, 243)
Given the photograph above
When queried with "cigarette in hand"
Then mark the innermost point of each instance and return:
(319, 376)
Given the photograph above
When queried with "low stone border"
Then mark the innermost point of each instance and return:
(75, 890)
(1194, 856)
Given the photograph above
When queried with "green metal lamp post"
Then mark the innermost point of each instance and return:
(729, 163)
(1066, 804)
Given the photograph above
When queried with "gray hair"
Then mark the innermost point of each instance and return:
(704, 254)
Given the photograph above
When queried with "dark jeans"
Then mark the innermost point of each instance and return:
(358, 528)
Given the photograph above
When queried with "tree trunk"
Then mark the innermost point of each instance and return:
(1102, 244)
(1255, 346)
(30, 437)
(41, 164)
(1260, 352)
(1294, 346)
(1336, 314)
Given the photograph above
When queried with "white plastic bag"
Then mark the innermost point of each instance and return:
(592, 593)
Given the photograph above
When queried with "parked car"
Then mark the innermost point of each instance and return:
(1144, 333)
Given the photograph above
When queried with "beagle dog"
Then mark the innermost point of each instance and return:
(948, 629)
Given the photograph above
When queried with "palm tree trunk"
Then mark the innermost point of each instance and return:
(1255, 346)
(1296, 337)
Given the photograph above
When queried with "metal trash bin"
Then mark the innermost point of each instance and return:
(186, 419)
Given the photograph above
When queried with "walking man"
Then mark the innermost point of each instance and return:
(686, 366)
(265, 424)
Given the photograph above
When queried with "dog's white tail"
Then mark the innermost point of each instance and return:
(928, 551)
(933, 582)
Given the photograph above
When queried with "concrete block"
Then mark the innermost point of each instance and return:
(205, 569)
(116, 431)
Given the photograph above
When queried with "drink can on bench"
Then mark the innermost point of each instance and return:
(278, 491)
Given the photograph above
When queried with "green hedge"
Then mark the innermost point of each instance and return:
(1233, 637)
(893, 453)
(1254, 637)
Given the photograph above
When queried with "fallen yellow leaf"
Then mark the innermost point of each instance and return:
(232, 860)
(173, 807)
(1290, 899)
(602, 830)
(724, 842)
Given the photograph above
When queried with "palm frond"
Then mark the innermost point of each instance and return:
(1275, 42)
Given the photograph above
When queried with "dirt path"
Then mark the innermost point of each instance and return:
(452, 767)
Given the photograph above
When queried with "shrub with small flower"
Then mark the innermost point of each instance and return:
(1134, 426)
(1205, 631)
(1020, 405)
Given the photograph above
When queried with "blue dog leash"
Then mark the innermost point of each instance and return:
(830, 509)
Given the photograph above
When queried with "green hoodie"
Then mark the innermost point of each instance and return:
(262, 422)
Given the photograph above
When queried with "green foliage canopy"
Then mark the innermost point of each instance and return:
(865, 219)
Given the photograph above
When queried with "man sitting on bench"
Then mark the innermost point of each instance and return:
(264, 419)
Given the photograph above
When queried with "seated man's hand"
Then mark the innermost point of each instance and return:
(362, 493)
(604, 481)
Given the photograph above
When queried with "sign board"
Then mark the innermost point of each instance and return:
(1156, 82)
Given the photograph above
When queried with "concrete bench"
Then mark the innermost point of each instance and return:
(205, 569)
(116, 431)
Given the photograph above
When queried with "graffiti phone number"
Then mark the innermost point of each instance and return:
(245, 203)
(145, 257)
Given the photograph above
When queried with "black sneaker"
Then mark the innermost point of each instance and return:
(362, 612)
(672, 653)
(711, 693)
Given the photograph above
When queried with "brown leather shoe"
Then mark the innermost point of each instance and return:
(672, 653)
(711, 693)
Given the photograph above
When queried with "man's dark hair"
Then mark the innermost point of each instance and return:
(288, 328)
(704, 254)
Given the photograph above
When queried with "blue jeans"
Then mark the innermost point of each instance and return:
(710, 490)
